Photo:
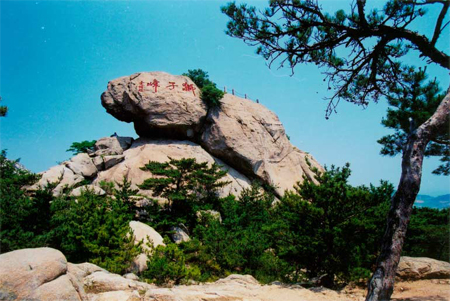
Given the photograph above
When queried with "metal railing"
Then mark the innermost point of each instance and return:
(234, 92)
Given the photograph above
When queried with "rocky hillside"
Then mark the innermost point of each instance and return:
(172, 121)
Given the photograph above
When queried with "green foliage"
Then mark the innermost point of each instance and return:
(199, 77)
(24, 219)
(81, 147)
(186, 185)
(167, 264)
(428, 234)
(331, 228)
(211, 95)
(361, 51)
(95, 229)
(411, 105)
(3, 110)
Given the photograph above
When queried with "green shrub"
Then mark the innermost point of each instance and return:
(428, 234)
(95, 229)
(210, 94)
(331, 228)
(167, 265)
(24, 218)
(81, 147)
(187, 186)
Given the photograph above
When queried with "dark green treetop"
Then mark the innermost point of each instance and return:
(81, 147)
(360, 51)
(411, 105)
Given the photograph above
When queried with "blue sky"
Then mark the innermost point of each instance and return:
(58, 56)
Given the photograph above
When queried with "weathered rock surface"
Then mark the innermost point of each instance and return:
(36, 274)
(414, 268)
(59, 174)
(100, 282)
(178, 236)
(167, 107)
(144, 150)
(82, 164)
(245, 135)
(95, 189)
(112, 145)
(241, 287)
(148, 235)
(248, 135)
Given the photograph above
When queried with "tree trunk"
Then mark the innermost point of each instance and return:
(381, 285)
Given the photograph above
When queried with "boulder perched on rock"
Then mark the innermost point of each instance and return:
(245, 135)
(414, 268)
(37, 274)
(159, 104)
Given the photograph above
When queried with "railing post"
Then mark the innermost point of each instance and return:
(245, 96)
(224, 89)
(232, 91)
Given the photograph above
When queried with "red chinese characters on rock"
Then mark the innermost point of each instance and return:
(141, 87)
(171, 86)
(187, 87)
(154, 84)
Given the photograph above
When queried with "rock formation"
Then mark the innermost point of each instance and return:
(172, 121)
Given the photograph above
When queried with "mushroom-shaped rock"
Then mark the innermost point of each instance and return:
(144, 150)
(37, 274)
(248, 135)
(159, 104)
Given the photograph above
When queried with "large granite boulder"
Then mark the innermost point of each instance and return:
(248, 135)
(37, 274)
(159, 104)
(245, 135)
(149, 238)
(144, 150)
(414, 268)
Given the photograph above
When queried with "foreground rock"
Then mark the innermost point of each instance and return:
(159, 104)
(241, 287)
(414, 268)
(37, 274)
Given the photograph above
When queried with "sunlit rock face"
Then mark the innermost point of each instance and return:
(159, 104)
(245, 137)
